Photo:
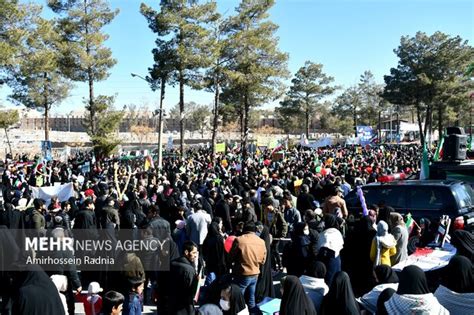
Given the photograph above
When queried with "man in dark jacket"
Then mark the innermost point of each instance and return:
(185, 281)
(110, 217)
(160, 227)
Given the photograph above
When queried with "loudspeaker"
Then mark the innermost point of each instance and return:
(455, 147)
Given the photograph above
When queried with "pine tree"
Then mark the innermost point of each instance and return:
(36, 80)
(86, 58)
(181, 27)
(430, 68)
(309, 86)
(256, 71)
(16, 21)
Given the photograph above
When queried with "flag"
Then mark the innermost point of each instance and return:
(439, 150)
(425, 166)
(149, 163)
(410, 223)
(39, 166)
(277, 148)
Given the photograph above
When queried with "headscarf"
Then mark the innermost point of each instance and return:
(383, 239)
(317, 269)
(412, 281)
(294, 300)
(384, 297)
(385, 274)
(209, 309)
(330, 221)
(458, 276)
(396, 219)
(34, 293)
(340, 298)
(464, 243)
(237, 301)
(298, 237)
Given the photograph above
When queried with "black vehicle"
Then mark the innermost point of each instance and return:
(423, 199)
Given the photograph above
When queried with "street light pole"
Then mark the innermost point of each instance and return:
(160, 124)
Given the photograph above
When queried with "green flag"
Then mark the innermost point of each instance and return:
(425, 164)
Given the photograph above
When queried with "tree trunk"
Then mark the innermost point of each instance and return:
(440, 122)
(46, 122)
(160, 123)
(181, 112)
(215, 123)
(91, 106)
(355, 120)
(379, 134)
(420, 124)
(241, 122)
(8, 142)
(246, 126)
(307, 123)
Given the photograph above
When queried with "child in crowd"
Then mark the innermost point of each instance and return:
(113, 303)
(133, 303)
(92, 301)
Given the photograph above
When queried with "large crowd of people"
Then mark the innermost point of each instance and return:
(232, 226)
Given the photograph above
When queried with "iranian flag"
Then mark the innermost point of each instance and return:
(39, 166)
(410, 223)
(439, 150)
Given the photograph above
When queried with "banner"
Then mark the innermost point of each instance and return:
(46, 150)
(65, 154)
(169, 145)
(63, 192)
(323, 142)
(220, 147)
(364, 133)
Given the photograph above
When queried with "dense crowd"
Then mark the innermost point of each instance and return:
(231, 226)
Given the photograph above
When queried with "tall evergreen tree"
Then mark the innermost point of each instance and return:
(37, 81)
(348, 104)
(370, 97)
(181, 26)
(86, 59)
(428, 68)
(309, 86)
(16, 21)
(216, 74)
(258, 67)
(107, 121)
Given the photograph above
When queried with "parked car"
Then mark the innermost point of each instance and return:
(422, 198)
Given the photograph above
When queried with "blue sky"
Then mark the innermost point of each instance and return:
(347, 37)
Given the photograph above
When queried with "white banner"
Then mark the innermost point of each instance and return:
(63, 192)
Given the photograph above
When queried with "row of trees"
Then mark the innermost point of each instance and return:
(235, 57)
(433, 80)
